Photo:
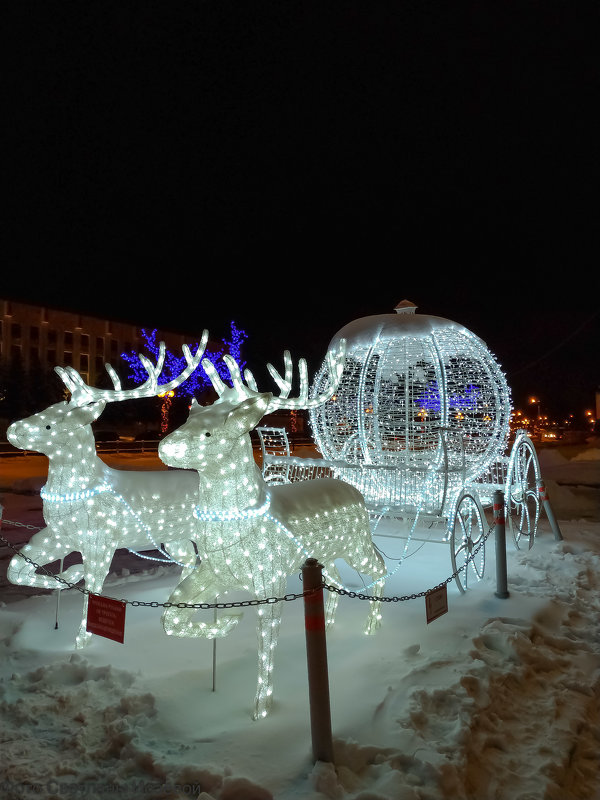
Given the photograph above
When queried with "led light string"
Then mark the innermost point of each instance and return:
(158, 547)
(232, 513)
(84, 494)
(403, 556)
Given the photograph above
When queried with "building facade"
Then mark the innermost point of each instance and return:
(45, 337)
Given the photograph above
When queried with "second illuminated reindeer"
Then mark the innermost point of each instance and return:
(251, 536)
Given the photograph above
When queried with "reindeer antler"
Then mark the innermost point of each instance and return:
(81, 393)
(335, 363)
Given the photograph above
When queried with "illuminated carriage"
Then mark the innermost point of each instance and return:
(420, 425)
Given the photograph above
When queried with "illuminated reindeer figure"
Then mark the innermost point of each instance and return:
(93, 509)
(251, 536)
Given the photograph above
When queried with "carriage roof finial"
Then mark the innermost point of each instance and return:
(405, 307)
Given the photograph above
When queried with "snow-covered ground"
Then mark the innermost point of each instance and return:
(497, 699)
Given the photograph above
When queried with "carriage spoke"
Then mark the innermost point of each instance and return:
(467, 546)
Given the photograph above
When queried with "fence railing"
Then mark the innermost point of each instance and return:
(7, 450)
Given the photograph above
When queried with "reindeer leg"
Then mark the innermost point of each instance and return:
(366, 560)
(97, 558)
(376, 571)
(43, 548)
(200, 586)
(83, 637)
(267, 630)
(332, 598)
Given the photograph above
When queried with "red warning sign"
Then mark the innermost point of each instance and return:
(436, 603)
(106, 617)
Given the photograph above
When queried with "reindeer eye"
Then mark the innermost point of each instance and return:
(207, 433)
(48, 427)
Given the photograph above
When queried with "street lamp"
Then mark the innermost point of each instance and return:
(537, 402)
(590, 418)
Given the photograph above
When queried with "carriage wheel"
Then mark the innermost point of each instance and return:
(521, 495)
(467, 544)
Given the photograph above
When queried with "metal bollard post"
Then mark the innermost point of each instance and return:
(214, 652)
(316, 657)
(549, 513)
(500, 536)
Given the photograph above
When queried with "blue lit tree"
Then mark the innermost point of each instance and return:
(431, 399)
(174, 364)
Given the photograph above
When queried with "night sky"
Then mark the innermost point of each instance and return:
(294, 166)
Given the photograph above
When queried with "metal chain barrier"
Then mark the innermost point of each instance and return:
(245, 603)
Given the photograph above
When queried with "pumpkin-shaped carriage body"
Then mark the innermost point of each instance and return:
(422, 402)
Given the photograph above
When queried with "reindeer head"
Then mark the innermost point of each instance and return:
(53, 428)
(211, 433)
(67, 423)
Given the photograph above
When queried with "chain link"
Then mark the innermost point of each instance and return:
(256, 601)
(22, 525)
